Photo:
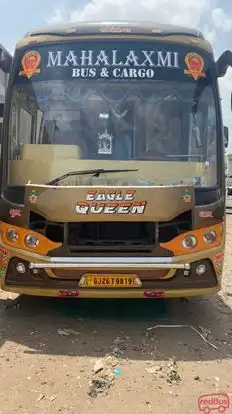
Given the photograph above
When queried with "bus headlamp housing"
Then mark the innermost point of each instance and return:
(12, 235)
(210, 236)
(31, 241)
(189, 242)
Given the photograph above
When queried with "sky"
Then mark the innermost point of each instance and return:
(213, 17)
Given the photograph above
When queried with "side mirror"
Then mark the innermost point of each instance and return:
(223, 62)
(226, 136)
(5, 61)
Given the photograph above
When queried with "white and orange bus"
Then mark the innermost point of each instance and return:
(112, 168)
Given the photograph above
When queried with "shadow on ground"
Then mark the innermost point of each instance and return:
(95, 324)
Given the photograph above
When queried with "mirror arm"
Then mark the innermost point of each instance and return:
(5, 61)
(223, 63)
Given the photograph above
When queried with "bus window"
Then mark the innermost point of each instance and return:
(164, 132)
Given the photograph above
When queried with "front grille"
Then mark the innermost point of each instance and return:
(109, 237)
(117, 235)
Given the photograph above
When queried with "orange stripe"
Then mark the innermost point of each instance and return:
(44, 243)
(176, 244)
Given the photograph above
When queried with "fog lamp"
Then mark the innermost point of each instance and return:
(201, 269)
(20, 267)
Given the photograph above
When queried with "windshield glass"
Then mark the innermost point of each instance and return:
(165, 125)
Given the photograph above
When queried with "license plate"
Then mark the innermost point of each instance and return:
(110, 281)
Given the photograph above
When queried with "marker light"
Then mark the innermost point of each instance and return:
(154, 293)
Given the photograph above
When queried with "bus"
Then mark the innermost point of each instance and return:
(112, 164)
(5, 66)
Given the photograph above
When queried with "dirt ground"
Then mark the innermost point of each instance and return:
(50, 349)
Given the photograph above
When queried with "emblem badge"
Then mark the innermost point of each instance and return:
(187, 196)
(30, 64)
(195, 65)
(33, 196)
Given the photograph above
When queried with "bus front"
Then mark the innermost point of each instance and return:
(113, 168)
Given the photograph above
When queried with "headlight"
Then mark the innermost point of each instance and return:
(12, 235)
(210, 236)
(31, 241)
(189, 242)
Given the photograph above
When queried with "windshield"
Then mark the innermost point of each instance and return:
(162, 127)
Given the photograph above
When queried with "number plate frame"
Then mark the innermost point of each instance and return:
(110, 281)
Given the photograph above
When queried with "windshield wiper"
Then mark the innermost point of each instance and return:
(95, 173)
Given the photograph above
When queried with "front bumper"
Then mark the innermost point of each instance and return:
(52, 276)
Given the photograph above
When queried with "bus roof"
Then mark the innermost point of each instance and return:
(124, 27)
(76, 30)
